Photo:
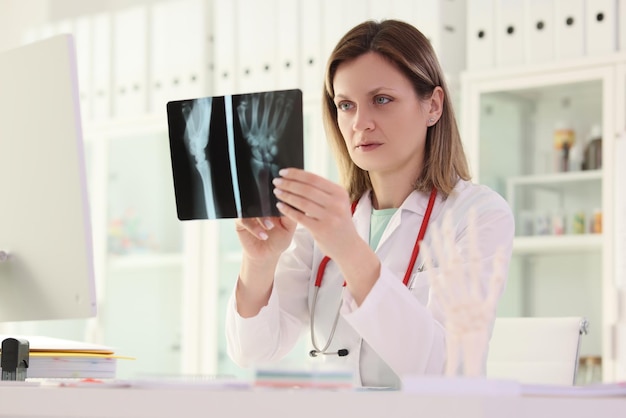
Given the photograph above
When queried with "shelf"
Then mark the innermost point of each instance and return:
(556, 244)
(557, 178)
(141, 261)
(124, 128)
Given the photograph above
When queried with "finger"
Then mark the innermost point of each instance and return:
(447, 236)
(426, 253)
(266, 223)
(438, 250)
(298, 174)
(474, 256)
(434, 278)
(455, 277)
(285, 222)
(299, 203)
(310, 186)
(294, 214)
(255, 226)
(310, 200)
(496, 282)
(304, 183)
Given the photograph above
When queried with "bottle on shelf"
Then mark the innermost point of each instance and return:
(592, 158)
(596, 223)
(578, 222)
(575, 162)
(558, 223)
(564, 138)
(589, 370)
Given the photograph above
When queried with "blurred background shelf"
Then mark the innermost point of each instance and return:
(557, 244)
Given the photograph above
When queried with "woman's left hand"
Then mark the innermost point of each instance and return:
(321, 206)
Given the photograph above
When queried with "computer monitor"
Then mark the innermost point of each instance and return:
(46, 263)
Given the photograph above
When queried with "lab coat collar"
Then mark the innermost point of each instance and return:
(416, 202)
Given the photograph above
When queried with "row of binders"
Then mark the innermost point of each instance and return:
(505, 33)
(132, 61)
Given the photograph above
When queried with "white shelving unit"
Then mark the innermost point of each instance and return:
(556, 189)
(508, 119)
(557, 244)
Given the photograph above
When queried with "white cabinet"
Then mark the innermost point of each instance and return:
(138, 243)
(564, 259)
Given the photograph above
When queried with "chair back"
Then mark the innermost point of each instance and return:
(535, 349)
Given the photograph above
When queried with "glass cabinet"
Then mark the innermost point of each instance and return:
(139, 247)
(543, 137)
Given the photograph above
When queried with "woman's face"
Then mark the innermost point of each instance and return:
(382, 121)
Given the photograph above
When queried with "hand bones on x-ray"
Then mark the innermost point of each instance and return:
(468, 307)
(197, 114)
(263, 118)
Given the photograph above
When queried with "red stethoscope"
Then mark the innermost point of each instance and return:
(322, 268)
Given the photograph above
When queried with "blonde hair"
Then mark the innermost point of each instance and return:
(411, 52)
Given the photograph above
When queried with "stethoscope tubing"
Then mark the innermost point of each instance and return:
(316, 350)
(322, 268)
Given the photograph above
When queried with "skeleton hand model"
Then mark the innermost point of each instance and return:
(469, 308)
(263, 118)
(197, 123)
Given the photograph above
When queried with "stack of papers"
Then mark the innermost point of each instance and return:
(58, 358)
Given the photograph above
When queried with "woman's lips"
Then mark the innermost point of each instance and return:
(368, 147)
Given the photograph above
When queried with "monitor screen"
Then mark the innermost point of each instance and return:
(46, 263)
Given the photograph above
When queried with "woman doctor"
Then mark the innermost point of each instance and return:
(369, 307)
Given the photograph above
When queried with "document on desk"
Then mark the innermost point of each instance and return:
(38, 343)
(58, 358)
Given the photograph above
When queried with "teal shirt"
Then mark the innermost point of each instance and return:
(380, 219)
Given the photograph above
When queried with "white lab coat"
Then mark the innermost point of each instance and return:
(395, 332)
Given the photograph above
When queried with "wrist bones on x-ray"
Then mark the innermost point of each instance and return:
(263, 118)
(197, 116)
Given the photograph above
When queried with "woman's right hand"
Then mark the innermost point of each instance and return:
(264, 239)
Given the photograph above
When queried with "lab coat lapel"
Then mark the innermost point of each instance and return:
(413, 203)
(362, 218)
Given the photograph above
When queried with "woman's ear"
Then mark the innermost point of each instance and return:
(435, 103)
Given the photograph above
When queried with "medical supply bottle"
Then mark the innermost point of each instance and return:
(576, 154)
(563, 139)
(592, 158)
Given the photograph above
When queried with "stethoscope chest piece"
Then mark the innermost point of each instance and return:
(341, 352)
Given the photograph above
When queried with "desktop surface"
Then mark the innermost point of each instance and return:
(201, 402)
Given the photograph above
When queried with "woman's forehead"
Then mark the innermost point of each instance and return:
(369, 72)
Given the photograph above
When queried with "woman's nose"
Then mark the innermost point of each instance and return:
(363, 120)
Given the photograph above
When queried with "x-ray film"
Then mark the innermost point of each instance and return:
(226, 150)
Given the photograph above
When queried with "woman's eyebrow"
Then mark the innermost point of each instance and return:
(372, 92)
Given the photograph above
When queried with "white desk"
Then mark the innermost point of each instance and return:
(52, 402)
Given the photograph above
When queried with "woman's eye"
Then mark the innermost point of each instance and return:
(382, 100)
(344, 106)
